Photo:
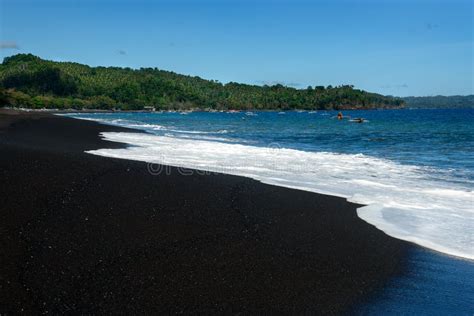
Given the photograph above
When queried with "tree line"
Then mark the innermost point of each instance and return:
(440, 102)
(29, 81)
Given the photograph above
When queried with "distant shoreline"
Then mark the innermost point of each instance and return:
(72, 111)
(20, 109)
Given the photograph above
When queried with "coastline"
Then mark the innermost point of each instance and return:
(89, 234)
(83, 111)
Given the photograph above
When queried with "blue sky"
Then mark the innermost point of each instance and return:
(402, 48)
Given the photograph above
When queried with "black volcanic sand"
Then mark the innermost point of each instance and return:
(86, 234)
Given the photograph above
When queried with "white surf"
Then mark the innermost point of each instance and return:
(404, 201)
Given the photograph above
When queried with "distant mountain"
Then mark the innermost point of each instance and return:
(29, 81)
(439, 102)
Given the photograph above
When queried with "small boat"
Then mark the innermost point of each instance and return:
(358, 120)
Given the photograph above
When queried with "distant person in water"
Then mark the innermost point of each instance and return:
(339, 116)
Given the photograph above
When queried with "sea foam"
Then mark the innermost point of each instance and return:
(404, 201)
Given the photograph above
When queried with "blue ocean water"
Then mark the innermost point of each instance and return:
(413, 168)
(440, 138)
(432, 285)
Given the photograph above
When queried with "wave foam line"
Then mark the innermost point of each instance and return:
(402, 200)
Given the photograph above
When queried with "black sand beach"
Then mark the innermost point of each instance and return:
(87, 234)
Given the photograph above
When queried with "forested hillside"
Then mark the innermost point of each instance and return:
(29, 81)
(440, 102)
